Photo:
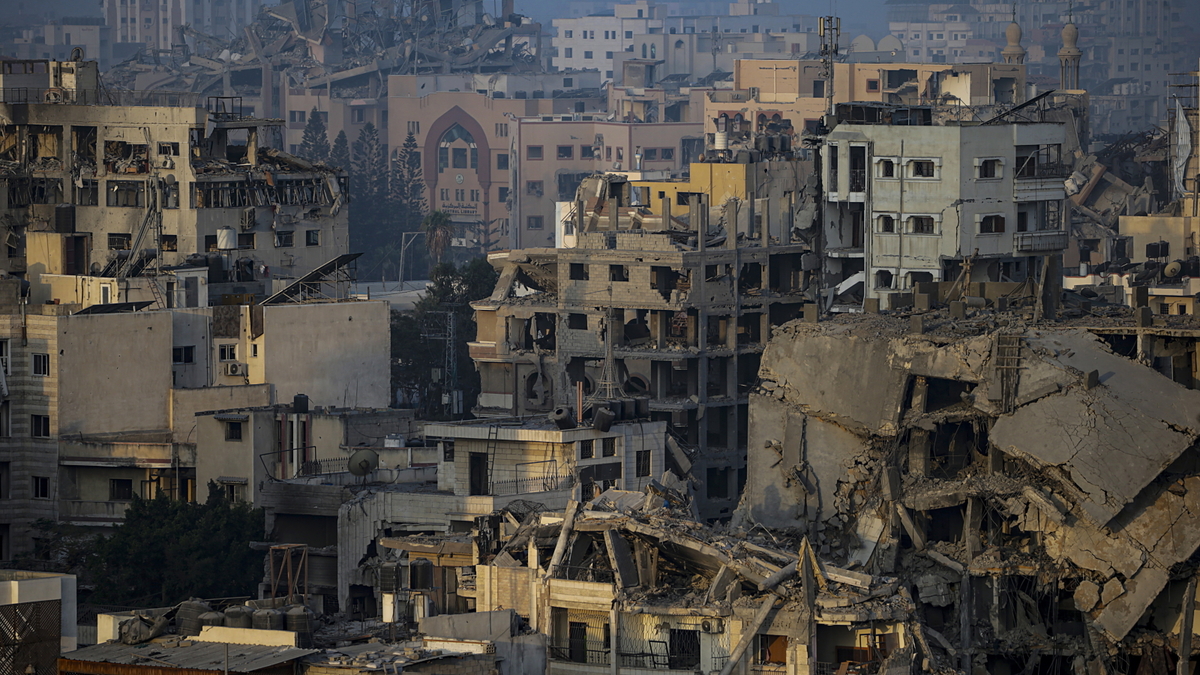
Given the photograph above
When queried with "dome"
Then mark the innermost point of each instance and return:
(1070, 38)
(1013, 33)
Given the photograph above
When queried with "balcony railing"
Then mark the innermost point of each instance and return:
(581, 651)
(171, 99)
(858, 180)
(316, 467)
(1047, 241)
(1043, 170)
(549, 481)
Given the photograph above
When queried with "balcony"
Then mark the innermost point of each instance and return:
(1048, 241)
(93, 512)
(549, 481)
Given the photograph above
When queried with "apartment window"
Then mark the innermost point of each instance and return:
(717, 483)
(39, 426)
(666, 154)
(628, 35)
(887, 224)
(312, 237)
(887, 168)
(120, 489)
(587, 55)
(608, 55)
(608, 447)
(921, 224)
(358, 115)
(41, 487)
(586, 451)
(568, 52)
(993, 224)
(245, 240)
(254, 351)
(650, 154)
(474, 195)
(131, 193)
(233, 431)
(41, 365)
(587, 152)
(444, 194)
(296, 116)
(577, 321)
(818, 88)
(872, 85)
(578, 272)
(569, 34)
(534, 187)
(922, 168)
(533, 222)
(502, 161)
(284, 239)
(460, 194)
(618, 273)
(5, 473)
(5, 419)
(568, 82)
(183, 355)
(88, 194)
(643, 463)
(502, 194)
(533, 152)
(988, 168)
(566, 152)
(119, 241)
(227, 352)
(4, 356)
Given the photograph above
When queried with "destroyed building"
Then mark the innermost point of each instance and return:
(658, 294)
(1029, 483)
(132, 189)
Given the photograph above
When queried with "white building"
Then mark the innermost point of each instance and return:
(156, 24)
(37, 620)
(909, 202)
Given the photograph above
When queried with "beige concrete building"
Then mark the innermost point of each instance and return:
(139, 188)
(156, 24)
(466, 139)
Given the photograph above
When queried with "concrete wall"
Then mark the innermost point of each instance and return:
(114, 371)
(337, 353)
(19, 586)
(185, 403)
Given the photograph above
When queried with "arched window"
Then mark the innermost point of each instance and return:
(643, 50)
(654, 51)
(453, 154)
(679, 44)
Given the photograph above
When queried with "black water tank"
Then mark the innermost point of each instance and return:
(300, 404)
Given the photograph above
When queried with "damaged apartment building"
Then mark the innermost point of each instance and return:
(143, 189)
(1030, 485)
(664, 291)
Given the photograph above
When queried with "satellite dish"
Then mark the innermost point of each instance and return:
(1172, 270)
(362, 462)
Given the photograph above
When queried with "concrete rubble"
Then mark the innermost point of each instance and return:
(1032, 487)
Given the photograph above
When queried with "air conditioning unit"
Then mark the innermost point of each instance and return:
(167, 163)
(249, 218)
(235, 369)
(712, 626)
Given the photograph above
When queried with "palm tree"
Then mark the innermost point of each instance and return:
(438, 231)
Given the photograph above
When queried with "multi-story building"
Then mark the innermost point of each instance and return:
(156, 24)
(465, 128)
(56, 41)
(154, 186)
(941, 42)
(911, 201)
(556, 154)
(664, 289)
(590, 42)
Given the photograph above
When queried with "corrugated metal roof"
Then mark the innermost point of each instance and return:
(196, 656)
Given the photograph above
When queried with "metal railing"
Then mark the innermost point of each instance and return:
(546, 482)
(316, 467)
(1033, 169)
(858, 180)
(1040, 242)
(121, 97)
(581, 651)
(574, 573)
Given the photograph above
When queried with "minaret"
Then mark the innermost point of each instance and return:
(1069, 55)
(1014, 52)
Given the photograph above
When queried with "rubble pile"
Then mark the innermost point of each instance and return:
(1030, 487)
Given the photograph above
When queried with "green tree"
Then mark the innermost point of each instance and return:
(370, 229)
(452, 288)
(408, 186)
(167, 551)
(438, 232)
(314, 145)
(339, 154)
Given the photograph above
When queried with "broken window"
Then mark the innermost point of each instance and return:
(684, 651)
(716, 482)
(665, 280)
(44, 147)
(169, 242)
(577, 321)
(26, 191)
(579, 636)
(618, 273)
(121, 157)
(578, 272)
(284, 239)
(170, 149)
(770, 649)
(586, 449)
(131, 193)
(993, 224)
(83, 147)
(642, 464)
(119, 241)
